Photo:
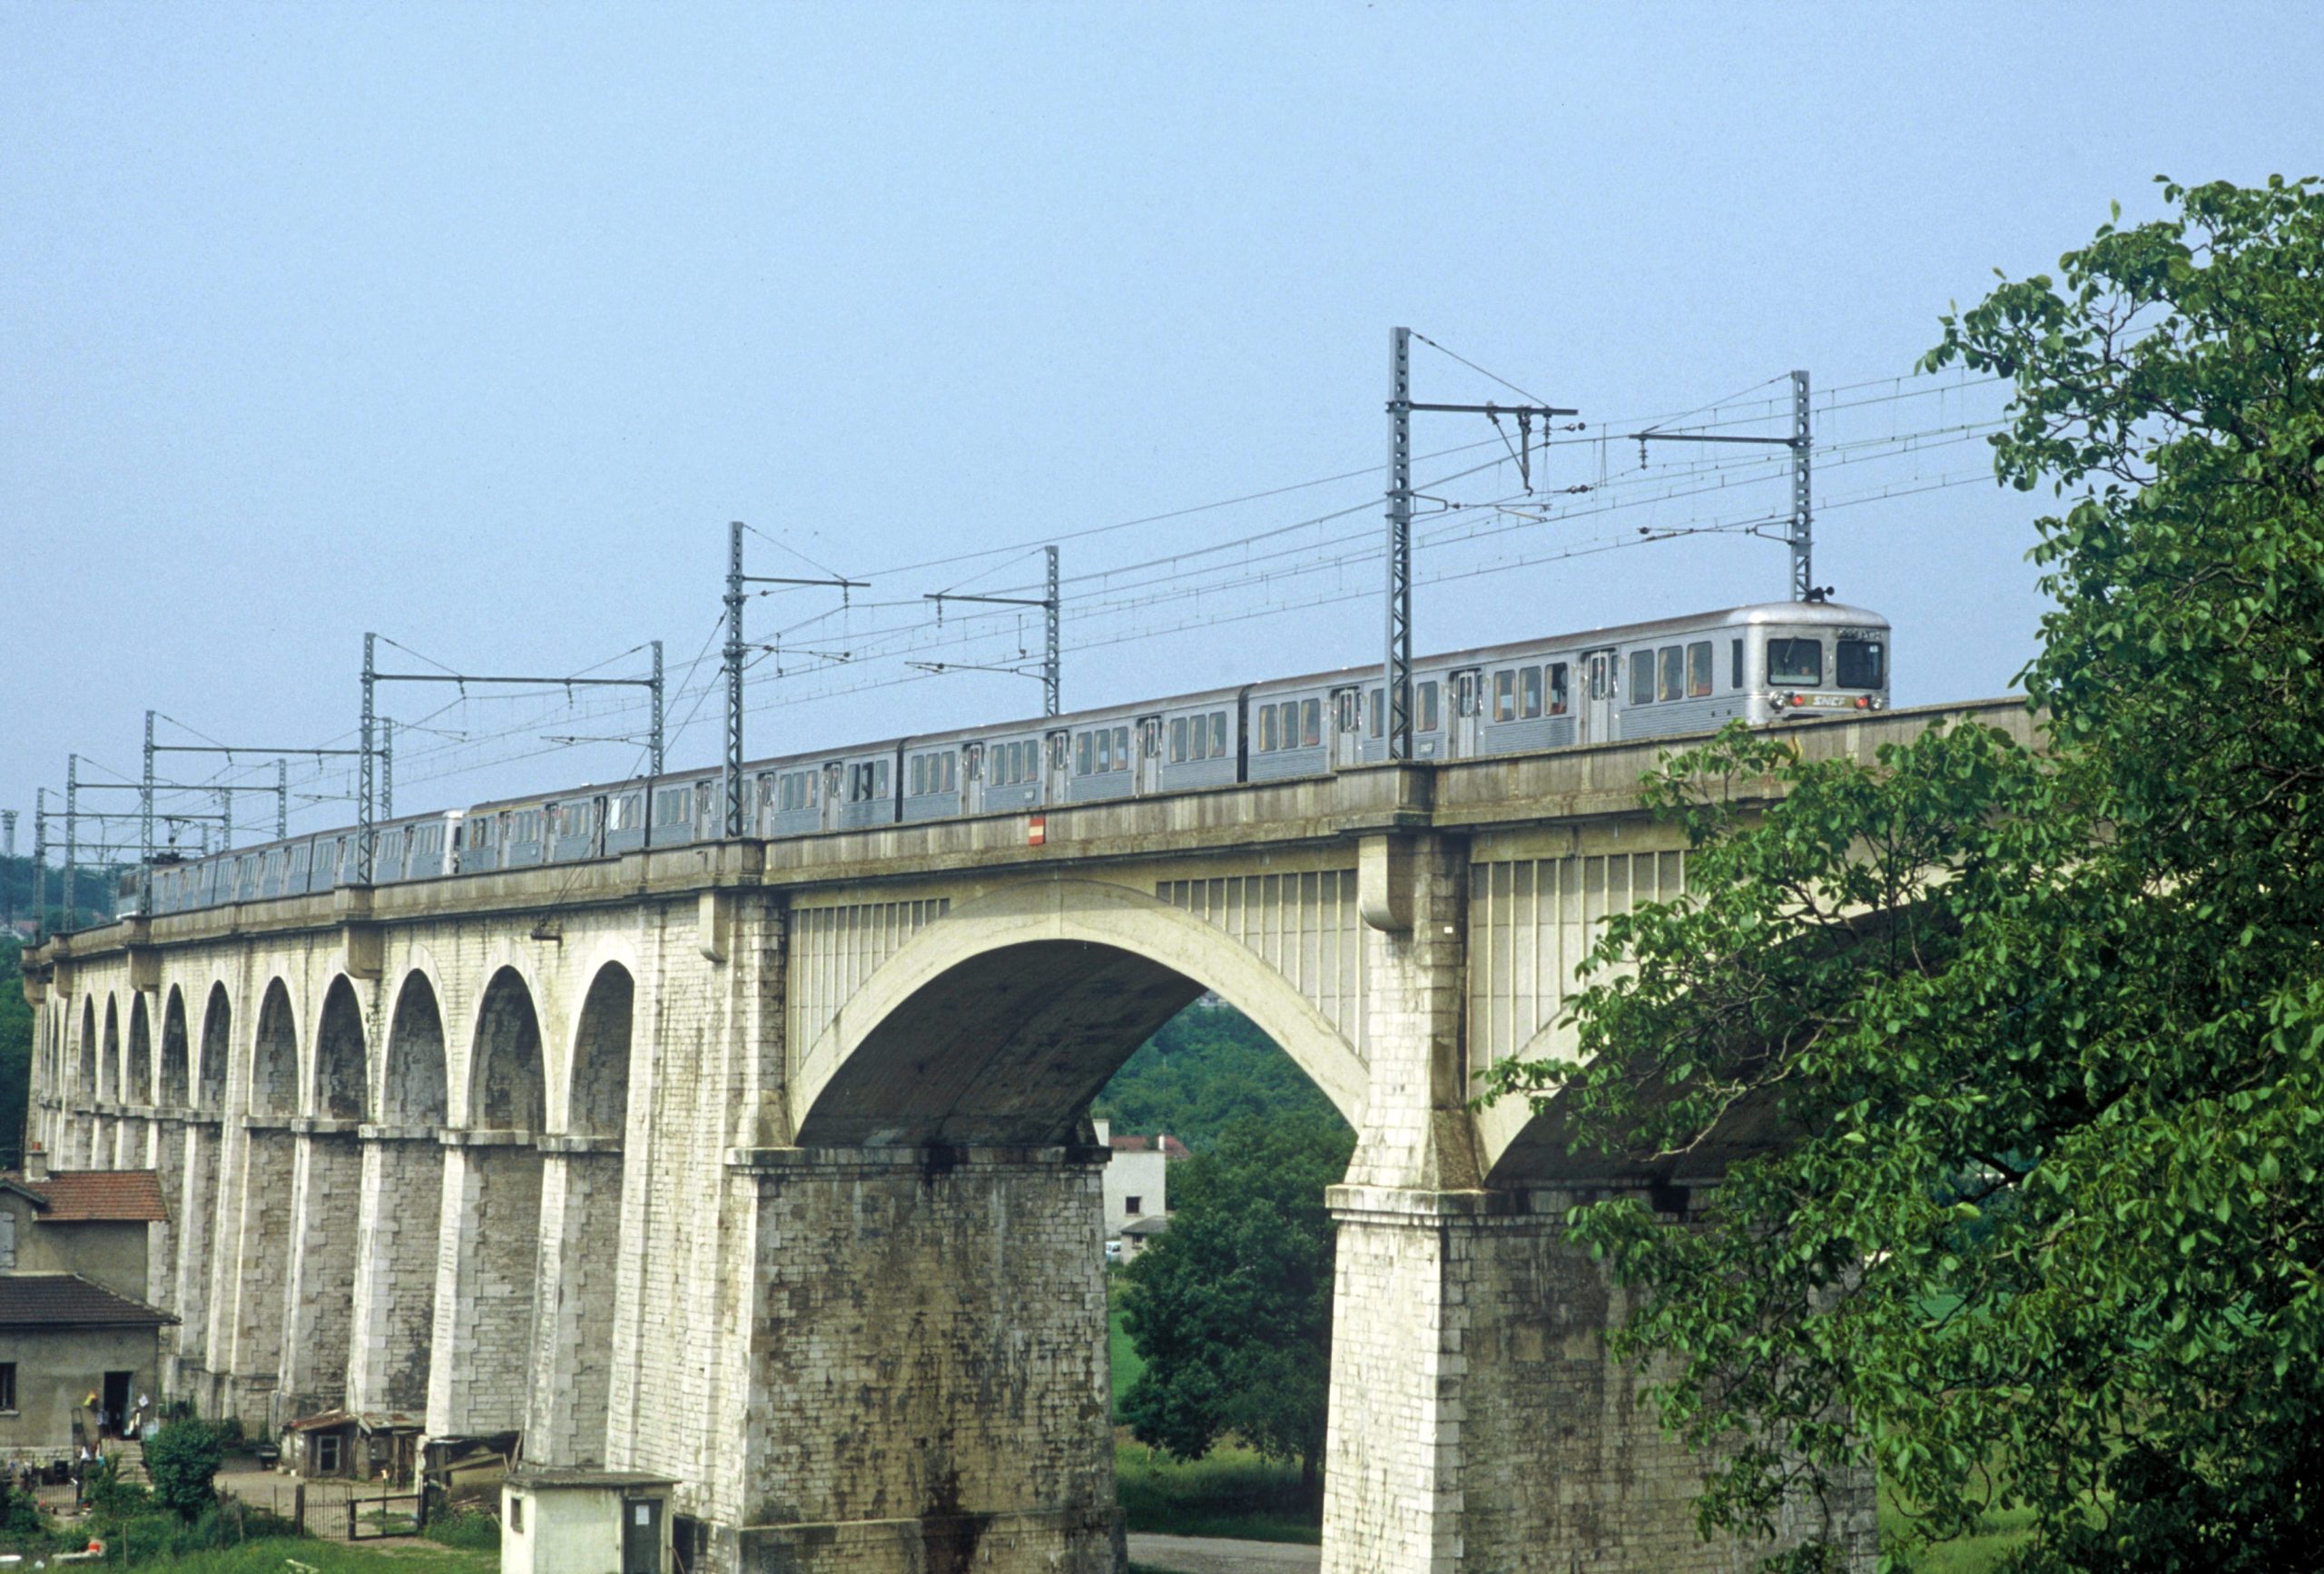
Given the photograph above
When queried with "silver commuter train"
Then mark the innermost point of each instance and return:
(1764, 664)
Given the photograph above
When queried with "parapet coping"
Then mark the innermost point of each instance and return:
(926, 1159)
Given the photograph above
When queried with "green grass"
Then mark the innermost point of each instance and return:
(1127, 1362)
(1998, 1535)
(274, 1555)
(1230, 1491)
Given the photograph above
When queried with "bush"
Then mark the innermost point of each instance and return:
(111, 1497)
(182, 1459)
(469, 1530)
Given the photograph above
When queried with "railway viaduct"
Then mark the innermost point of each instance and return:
(766, 1165)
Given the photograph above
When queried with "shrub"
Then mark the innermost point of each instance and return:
(182, 1459)
(469, 1530)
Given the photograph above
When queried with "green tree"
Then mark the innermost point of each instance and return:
(182, 1459)
(1232, 1309)
(2044, 1030)
(1208, 1068)
(15, 1052)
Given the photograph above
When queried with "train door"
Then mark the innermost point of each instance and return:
(1603, 673)
(1347, 728)
(971, 778)
(709, 824)
(1468, 713)
(834, 793)
(1056, 765)
(1148, 777)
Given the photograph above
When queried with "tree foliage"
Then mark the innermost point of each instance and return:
(1208, 1068)
(182, 1459)
(1232, 1309)
(15, 1052)
(2045, 1027)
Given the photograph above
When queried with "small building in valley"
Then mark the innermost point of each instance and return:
(1138, 1177)
(566, 1521)
(65, 1340)
(355, 1446)
(79, 1344)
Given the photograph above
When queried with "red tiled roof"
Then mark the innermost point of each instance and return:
(34, 1301)
(96, 1196)
(1170, 1146)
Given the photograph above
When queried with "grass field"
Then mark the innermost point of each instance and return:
(275, 1555)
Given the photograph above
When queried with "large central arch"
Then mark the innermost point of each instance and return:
(998, 1022)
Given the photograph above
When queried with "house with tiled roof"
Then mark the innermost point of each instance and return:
(78, 1338)
(1136, 1181)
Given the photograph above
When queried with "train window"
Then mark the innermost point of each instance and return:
(1556, 688)
(1504, 696)
(1379, 709)
(1177, 740)
(1218, 734)
(1641, 677)
(1344, 709)
(1266, 729)
(950, 766)
(1735, 665)
(1056, 751)
(1105, 750)
(1671, 685)
(671, 806)
(1311, 722)
(1121, 748)
(1086, 748)
(1795, 661)
(1425, 715)
(1699, 669)
(919, 776)
(1863, 663)
(1529, 692)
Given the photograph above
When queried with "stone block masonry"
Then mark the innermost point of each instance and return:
(397, 1233)
(930, 1387)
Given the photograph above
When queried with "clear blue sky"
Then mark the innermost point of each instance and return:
(474, 325)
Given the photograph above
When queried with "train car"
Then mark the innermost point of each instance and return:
(1766, 664)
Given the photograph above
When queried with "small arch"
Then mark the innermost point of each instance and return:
(274, 1055)
(217, 1041)
(414, 1085)
(508, 1086)
(175, 1078)
(84, 1076)
(109, 1056)
(137, 1082)
(340, 1057)
(597, 1100)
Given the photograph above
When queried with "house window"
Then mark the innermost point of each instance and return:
(516, 1514)
(326, 1453)
(1134, 1206)
(8, 1239)
(8, 1386)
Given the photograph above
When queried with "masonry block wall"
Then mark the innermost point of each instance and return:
(327, 1186)
(929, 1370)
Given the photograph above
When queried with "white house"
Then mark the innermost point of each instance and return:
(1137, 1178)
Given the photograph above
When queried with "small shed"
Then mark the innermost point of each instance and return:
(1139, 1234)
(582, 1522)
(355, 1446)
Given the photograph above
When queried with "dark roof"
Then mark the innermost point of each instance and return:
(1151, 1224)
(539, 1476)
(36, 1300)
(367, 1420)
(66, 1196)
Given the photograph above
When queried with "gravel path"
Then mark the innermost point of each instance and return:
(1211, 1554)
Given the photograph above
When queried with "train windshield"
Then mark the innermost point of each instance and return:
(1863, 663)
(1795, 661)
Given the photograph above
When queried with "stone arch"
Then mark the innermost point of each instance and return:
(339, 1053)
(582, 1185)
(137, 1076)
(998, 1022)
(176, 1087)
(507, 1084)
(84, 1076)
(414, 1085)
(597, 1085)
(274, 1055)
(109, 1053)
(217, 1047)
